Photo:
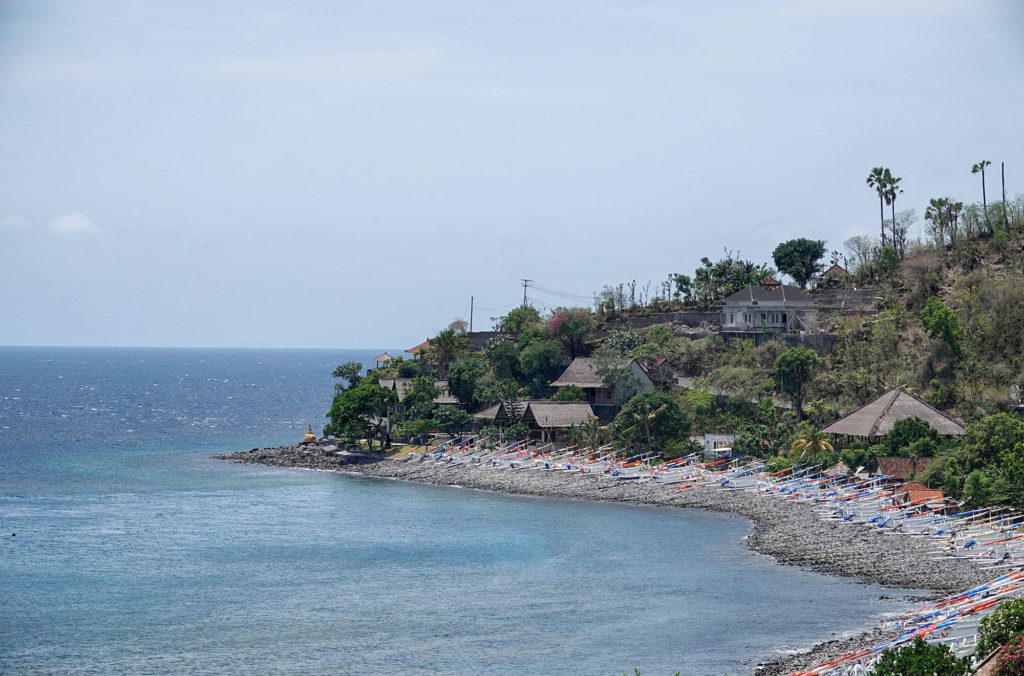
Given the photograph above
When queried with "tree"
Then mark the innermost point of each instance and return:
(989, 438)
(571, 326)
(448, 346)
(892, 189)
(716, 281)
(877, 180)
(941, 322)
(799, 258)
(451, 419)
(419, 398)
(361, 410)
(862, 250)
(569, 393)
(651, 419)
(793, 369)
(900, 227)
(591, 434)
(944, 214)
(351, 372)
(980, 168)
(999, 627)
(463, 377)
(921, 659)
(810, 441)
(518, 320)
(906, 435)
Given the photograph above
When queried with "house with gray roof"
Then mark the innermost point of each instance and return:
(876, 419)
(756, 309)
(583, 373)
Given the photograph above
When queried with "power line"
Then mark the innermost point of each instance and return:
(556, 292)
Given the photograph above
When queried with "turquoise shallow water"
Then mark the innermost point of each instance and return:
(137, 553)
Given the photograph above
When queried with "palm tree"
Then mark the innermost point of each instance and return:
(446, 348)
(812, 441)
(877, 180)
(980, 168)
(591, 434)
(892, 189)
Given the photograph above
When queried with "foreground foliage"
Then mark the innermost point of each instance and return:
(1006, 622)
(921, 659)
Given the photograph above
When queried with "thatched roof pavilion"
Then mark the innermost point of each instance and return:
(874, 420)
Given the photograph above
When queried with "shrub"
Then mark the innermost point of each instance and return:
(922, 659)
(1011, 661)
(1006, 622)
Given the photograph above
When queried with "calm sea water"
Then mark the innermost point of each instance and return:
(136, 553)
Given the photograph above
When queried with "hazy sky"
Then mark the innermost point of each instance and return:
(348, 174)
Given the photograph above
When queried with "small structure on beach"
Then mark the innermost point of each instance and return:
(875, 419)
(310, 438)
(548, 420)
(719, 445)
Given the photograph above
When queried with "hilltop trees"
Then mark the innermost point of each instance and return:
(877, 180)
(799, 258)
(887, 187)
(980, 168)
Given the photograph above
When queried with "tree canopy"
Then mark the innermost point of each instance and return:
(360, 412)
(799, 258)
(651, 420)
(793, 369)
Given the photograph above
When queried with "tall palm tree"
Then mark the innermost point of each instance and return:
(980, 168)
(877, 180)
(891, 190)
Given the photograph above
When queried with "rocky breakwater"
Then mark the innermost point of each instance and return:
(791, 532)
(320, 455)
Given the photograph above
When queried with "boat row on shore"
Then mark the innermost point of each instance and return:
(990, 538)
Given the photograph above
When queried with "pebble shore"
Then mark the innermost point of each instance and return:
(788, 531)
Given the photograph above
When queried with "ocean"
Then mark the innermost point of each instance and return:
(126, 549)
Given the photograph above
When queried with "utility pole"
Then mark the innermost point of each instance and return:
(471, 314)
(526, 282)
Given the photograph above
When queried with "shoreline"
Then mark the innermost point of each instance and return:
(787, 531)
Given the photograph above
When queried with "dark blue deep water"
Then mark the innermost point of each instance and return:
(136, 553)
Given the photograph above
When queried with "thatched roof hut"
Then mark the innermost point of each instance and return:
(876, 419)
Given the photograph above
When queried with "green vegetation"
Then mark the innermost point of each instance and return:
(921, 659)
(941, 316)
(799, 258)
(1005, 623)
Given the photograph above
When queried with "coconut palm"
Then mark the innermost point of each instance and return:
(812, 441)
(877, 180)
(976, 169)
(446, 348)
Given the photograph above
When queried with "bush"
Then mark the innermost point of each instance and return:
(922, 659)
(1006, 622)
(1011, 662)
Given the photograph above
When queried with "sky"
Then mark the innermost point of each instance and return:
(251, 173)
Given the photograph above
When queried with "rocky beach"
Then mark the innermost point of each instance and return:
(788, 531)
